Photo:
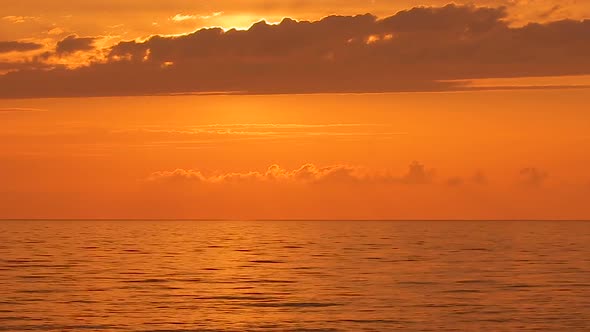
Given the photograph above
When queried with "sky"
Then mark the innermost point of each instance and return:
(295, 109)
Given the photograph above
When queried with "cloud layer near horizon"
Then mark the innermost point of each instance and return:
(421, 49)
(306, 174)
(311, 192)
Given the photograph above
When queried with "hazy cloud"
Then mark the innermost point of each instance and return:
(455, 181)
(532, 176)
(479, 178)
(308, 173)
(418, 174)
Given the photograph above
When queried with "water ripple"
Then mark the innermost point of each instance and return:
(294, 276)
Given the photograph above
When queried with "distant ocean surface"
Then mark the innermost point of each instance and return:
(294, 276)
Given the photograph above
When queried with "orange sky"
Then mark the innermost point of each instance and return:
(489, 154)
(444, 112)
(130, 19)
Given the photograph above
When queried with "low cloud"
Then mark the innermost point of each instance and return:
(455, 181)
(479, 178)
(532, 176)
(418, 174)
(306, 174)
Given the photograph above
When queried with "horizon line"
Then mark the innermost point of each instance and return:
(289, 219)
(464, 89)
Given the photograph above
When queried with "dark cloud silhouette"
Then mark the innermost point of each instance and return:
(422, 49)
(15, 46)
(73, 43)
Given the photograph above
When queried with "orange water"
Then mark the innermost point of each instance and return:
(294, 276)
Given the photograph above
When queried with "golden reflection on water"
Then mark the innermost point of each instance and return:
(294, 275)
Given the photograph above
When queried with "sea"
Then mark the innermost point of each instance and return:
(182, 275)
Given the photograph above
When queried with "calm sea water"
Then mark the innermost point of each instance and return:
(294, 276)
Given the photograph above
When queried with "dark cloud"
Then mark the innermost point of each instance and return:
(15, 46)
(422, 49)
(73, 43)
